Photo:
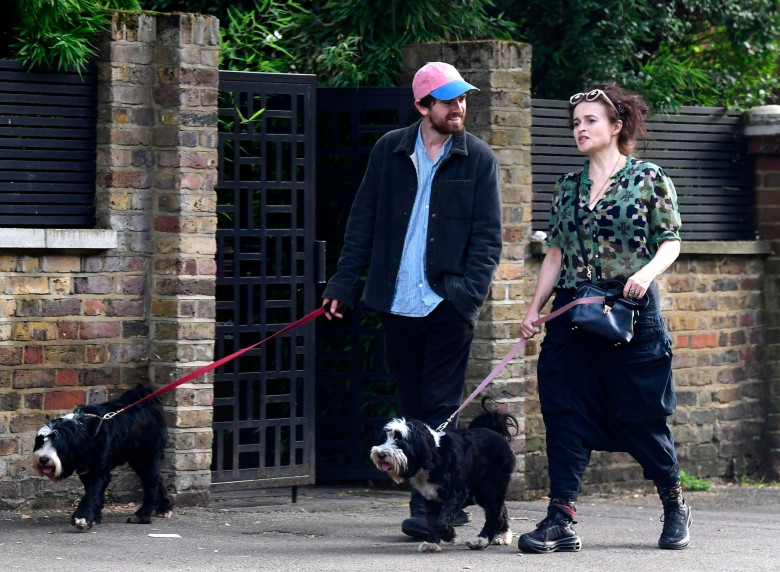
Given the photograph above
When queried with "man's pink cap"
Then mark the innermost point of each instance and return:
(440, 80)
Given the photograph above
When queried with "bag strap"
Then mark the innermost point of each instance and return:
(610, 299)
(578, 224)
(597, 266)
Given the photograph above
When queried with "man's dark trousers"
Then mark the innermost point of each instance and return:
(428, 358)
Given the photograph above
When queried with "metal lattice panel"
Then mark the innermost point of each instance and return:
(264, 400)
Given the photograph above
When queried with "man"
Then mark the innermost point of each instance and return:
(427, 221)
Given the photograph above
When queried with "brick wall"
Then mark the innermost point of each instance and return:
(69, 334)
(80, 326)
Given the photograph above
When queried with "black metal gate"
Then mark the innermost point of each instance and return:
(264, 402)
(355, 393)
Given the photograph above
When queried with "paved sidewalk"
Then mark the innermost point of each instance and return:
(344, 529)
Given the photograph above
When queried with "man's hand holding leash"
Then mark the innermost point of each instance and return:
(332, 306)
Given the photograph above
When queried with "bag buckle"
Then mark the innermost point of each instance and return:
(607, 309)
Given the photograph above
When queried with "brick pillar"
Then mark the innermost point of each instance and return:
(157, 171)
(499, 114)
(762, 127)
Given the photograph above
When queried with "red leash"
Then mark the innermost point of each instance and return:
(513, 352)
(307, 318)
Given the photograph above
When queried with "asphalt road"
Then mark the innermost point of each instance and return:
(338, 529)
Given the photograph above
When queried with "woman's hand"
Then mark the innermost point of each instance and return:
(638, 284)
(548, 275)
(529, 330)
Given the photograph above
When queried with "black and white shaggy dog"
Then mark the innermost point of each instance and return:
(83, 443)
(453, 470)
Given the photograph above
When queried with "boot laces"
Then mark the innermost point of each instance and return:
(670, 509)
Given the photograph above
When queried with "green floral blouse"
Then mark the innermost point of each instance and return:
(624, 229)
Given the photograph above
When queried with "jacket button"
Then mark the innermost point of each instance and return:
(432, 239)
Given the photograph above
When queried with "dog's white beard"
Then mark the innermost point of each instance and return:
(53, 466)
(393, 461)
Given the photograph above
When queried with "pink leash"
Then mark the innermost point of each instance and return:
(513, 352)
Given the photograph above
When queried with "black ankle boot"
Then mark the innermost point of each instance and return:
(416, 525)
(554, 533)
(676, 518)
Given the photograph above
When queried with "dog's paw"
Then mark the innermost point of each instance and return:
(165, 514)
(428, 547)
(135, 519)
(478, 543)
(81, 523)
(503, 538)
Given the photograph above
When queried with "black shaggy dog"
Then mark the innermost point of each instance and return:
(83, 443)
(453, 470)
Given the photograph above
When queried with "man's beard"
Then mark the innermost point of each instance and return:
(444, 127)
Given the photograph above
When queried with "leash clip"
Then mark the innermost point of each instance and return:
(440, 428)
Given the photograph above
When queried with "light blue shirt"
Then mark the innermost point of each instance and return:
(413, 295)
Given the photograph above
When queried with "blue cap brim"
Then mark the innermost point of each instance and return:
(452, 90)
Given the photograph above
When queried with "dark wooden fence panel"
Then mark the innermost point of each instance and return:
(700, 148)
(47, 147)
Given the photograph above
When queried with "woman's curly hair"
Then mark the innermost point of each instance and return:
(632, 110)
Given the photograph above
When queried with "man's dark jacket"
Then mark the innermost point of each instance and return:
(464, 224)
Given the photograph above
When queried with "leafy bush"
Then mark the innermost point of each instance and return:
(675, 52)
(253, 39)
(343, 42)
(59, 33)
(358, 42)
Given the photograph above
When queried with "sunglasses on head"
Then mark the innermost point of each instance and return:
(591, 96)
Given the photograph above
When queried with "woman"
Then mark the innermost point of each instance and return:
(595, 395)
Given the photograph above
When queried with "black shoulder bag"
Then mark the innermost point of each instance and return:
(614, 319)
